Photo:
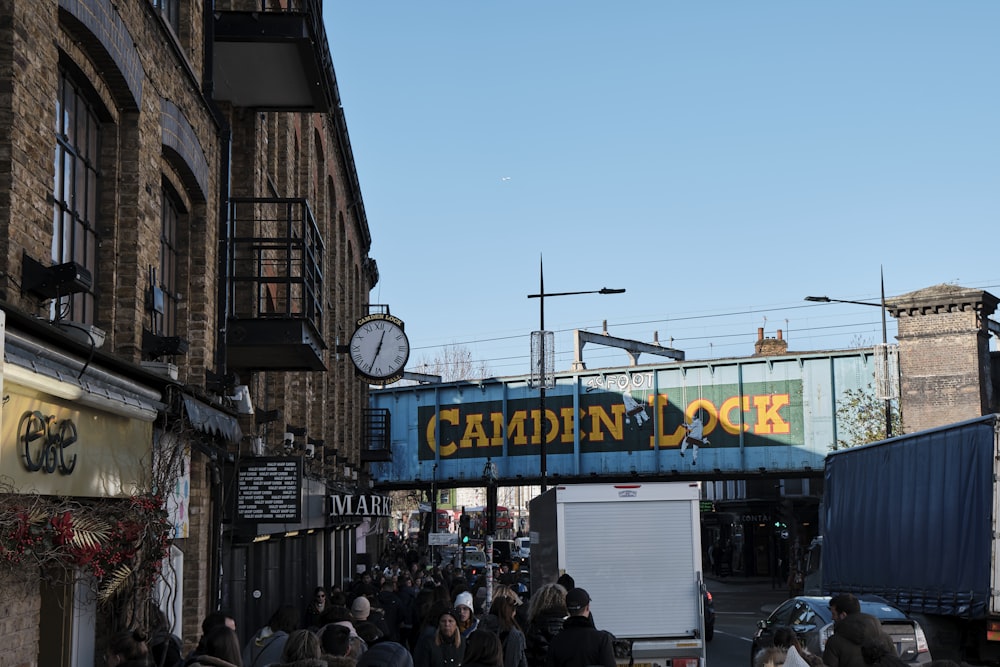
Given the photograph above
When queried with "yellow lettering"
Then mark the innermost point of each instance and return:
(496, 419)
(726, 421)
(769, 422)
(475, 435)
(515, 428)
(451, 416)
(615, 423)
(709, 408)
(431, 440)
(568, 424)
(666, 439)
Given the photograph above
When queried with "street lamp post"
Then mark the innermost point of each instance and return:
(543, 371)
(885, 341)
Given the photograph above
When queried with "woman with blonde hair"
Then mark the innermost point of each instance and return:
(546, 614)
(445, 648)
(509, 632)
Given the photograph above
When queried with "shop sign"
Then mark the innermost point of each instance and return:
(360, 505)
(55, 446)
(269, 490)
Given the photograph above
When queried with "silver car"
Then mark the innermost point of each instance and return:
(811, 619)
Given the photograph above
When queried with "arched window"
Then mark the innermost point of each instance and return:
(76, 193)
(168, 278)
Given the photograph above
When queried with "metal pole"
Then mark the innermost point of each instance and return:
(885, 360)
(541, 392)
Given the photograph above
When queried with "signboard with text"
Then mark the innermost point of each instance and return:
(269, 490)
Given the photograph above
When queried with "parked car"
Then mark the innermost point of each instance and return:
(709, 616)
(811, 619)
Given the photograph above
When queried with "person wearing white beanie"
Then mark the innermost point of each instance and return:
(467, 621)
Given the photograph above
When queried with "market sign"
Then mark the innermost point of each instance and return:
(360, 505)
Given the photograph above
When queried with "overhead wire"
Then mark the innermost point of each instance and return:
(691, 343)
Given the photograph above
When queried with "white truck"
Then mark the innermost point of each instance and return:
(636, 548)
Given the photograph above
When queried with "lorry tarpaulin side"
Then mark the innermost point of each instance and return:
(910, 519)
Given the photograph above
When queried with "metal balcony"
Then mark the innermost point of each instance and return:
(376, 435)
(273, 56)
(275, 309)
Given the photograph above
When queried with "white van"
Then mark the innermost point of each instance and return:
(523, 545)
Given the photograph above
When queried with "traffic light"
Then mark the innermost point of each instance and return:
(463, 528)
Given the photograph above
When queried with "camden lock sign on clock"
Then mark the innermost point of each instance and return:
(379, 348)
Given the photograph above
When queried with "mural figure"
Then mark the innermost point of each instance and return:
(634, 408)
(694, 437)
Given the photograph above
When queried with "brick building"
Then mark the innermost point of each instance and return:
(945, 365)
(183, 244)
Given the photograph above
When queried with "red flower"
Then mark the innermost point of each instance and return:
(63, 526)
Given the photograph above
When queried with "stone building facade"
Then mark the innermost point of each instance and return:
(945, 363)
(183, 244)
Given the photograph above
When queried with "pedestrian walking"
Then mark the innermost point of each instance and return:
(852, 630)
(579, 643)
(219, 648)
(386, 654)
(546, 613)
(267, 644)
(128, 648)
(510, 634)
(483, 649)
(165, 649)
(467, 620)
(301, 645)
(445, 648)
(316, 607)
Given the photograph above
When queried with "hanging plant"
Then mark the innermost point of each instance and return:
(121, 543)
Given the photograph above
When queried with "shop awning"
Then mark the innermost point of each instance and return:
(212, 421)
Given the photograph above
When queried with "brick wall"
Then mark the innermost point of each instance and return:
(20, 608)
(944, 357)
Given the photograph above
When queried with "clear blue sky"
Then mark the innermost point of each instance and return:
(719, 160)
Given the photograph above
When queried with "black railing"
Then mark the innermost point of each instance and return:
(376, 435)
(276, 261)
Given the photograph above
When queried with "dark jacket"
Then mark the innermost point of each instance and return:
(386, 654)
(540, 632)
(856, 630)
(264, 648)
(429, 653)
(580, 644)
(513, 648)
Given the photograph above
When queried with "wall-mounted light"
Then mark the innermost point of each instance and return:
(155, 346)
(241, 400)
(290, 433)
(266, 416)
(50, 282)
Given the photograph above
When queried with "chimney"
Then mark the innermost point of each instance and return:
(769, 347)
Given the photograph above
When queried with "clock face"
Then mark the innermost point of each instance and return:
(379, 348)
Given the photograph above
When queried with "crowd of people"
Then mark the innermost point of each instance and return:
(397, 617)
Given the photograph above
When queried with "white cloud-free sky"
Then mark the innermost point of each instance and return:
(719, 160)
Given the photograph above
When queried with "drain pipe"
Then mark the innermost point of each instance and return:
(225, 134)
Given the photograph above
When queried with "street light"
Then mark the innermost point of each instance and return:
(885, 342)
(539, 358)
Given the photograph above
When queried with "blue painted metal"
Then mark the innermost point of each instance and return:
(775, 415)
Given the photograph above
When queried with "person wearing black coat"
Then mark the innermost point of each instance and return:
(545, 621)
(580, 644)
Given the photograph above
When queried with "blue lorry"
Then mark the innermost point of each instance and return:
(914, 519)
